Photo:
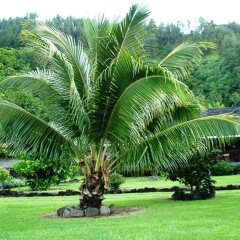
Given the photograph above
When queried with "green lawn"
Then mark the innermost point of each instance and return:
(219, 218)
(142, 182)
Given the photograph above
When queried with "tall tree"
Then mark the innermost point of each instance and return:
(114, 108)
(10, 30)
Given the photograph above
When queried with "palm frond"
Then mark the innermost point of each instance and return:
(141, 102)
(95, 31)
(39, 82)
(129, 33)
(64, 74)
(175, 145)
(184, 58)
(72, 51)
(49, 87)
(26, 133)
(183, 111)
(123, 38)
(126, 35)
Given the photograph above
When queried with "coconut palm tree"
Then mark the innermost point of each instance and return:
(110, 108)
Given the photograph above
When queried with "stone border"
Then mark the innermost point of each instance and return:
(10, 193)
(119, 212)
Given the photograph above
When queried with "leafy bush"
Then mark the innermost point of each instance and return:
(39, 175)
(3, 151)
(222, 168)
(236, 169)
(72, 171)
(4, 174)
(197, 176)
(116, 180)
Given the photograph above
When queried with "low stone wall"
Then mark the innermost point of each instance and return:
(9, 193)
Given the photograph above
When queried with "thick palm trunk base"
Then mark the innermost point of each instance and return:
(92, 190)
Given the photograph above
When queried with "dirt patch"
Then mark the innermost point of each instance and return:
(120, 211)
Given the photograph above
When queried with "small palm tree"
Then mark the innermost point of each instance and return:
(110, 107)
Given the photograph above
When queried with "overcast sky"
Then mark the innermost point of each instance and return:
(220, 11)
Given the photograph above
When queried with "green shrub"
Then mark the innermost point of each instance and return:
(4, 175)
(197, 176)
(236, 169)
(222, 168)
(116, 180)
(40, 175)
(72, 171)
(3, 151)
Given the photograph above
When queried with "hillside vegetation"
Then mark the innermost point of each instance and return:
(216, 82)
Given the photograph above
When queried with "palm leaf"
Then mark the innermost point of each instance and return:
(95, 31)
(184, 58)
(123, 37)
(175, 145)
(141, 102)
(126, 35)
(27, 133)
(184, 111)
(72, 51)
(39, 82)
(48, 88)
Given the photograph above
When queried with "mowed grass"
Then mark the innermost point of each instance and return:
(162, 219)
(142, 182)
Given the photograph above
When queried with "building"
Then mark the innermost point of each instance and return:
(230, 152)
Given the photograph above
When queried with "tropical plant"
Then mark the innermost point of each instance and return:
(222, 168)
(4, 174)
(40, 175)
(197, 176)
(116, 179)
(110, 107)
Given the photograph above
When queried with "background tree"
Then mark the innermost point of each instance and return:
(216, 83)
(10, 30)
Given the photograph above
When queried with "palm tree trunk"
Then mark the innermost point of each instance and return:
(92, 190)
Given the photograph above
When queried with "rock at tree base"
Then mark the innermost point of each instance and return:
(65, 211)
(112, 209)
(75, 212)
(104, 210)
(91, 212)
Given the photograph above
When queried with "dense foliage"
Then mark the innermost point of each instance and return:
(4, 174)
(223, 167)
(39, 175)
(116, 180)
(11, 28)
(216, 82)
(197, 176)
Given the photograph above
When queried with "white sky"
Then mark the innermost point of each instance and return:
(220, 11)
